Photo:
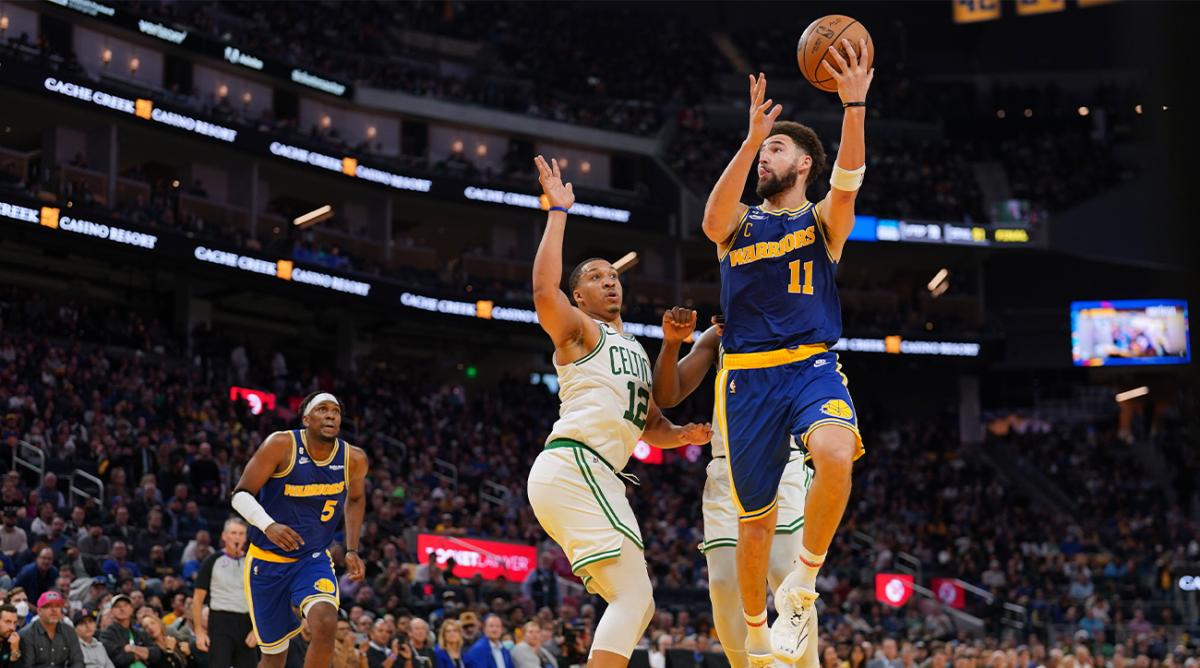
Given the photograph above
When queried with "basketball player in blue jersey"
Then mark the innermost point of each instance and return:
(778, 261)
(294, 492)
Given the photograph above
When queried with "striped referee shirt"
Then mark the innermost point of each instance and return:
(221, 576)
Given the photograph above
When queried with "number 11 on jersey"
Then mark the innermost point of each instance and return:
(794, 285)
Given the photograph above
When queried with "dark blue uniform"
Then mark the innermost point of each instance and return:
(310, 497)
(782, 314)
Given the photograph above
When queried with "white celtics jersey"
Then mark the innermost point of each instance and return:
(605, 397)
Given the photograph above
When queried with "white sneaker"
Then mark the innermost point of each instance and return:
(811, 657)
(794, 628)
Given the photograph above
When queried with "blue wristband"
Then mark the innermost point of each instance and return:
(559, 208)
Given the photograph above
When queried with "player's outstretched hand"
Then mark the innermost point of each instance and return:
(678, 324)
(762, 115)
(354, 567)
(550, 176)
(283, 536)
(853, 77)
(695, 434)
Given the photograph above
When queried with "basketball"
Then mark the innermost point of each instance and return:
(814, 47)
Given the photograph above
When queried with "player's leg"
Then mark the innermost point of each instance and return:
(720, 551)
(727, 603)
(271, 615)
(825, 420)
(315, 592)
(756, 442)
(624, 583)
(322, 625)
(784, 549)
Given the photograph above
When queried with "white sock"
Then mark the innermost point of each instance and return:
(807, 566)
(758, 634)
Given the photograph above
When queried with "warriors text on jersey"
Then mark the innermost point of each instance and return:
(605, 397)
(777, 282)
(309, 496)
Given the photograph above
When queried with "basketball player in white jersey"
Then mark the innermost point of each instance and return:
(674, 381)
(576, 485)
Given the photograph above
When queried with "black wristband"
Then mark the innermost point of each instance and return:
(847, 105)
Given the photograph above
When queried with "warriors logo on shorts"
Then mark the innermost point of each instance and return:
(324, 585)
(838, 409)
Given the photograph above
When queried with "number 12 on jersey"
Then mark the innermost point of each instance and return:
(794, 286)
(639, 405)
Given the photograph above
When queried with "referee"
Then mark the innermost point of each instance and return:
(228, 637)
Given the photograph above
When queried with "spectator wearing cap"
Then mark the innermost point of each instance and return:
(51, 642)
(13, 540)
(38, 577)
(10, 640)
(470, 628)
(94, 654)
(128, 647)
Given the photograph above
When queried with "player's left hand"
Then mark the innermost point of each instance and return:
(852, 76)
(550, 176)
(678, 324)
(251, 640)
(354, 567)
(695, 434)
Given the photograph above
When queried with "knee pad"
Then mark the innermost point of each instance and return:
(625, 585)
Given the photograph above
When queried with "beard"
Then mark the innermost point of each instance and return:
(773, 185)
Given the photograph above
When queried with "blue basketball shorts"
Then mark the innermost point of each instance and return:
(275, 585)
(765, 398)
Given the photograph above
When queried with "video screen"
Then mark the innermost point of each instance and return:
(1131, 332)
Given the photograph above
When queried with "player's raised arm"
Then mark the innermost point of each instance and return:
(853, 79)
(356, 506)
(675, 379)
(662, 433)
(272, 456)
(557, 316)
(724, 208)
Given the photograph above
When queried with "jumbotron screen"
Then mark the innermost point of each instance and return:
(1131, 332)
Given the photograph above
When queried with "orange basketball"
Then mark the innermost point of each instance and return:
(814, 48)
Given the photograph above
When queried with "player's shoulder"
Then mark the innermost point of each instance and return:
(278, 440)
(358, 457)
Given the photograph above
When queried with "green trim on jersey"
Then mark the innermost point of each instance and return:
(605, 507)
(572, 443)
(599, 345)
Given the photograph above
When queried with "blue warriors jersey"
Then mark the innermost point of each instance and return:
(777, 283)
(309, 496)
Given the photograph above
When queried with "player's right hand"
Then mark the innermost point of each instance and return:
(678, 324)
(284, 537)
(550, 176)
(202, 640)
(762, 115)
(719, 323)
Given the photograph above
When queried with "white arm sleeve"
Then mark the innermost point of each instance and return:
(249, 508)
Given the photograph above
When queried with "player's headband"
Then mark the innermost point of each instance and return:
(324, 396)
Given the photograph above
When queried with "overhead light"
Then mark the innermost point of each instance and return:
(134, 64)
(1132, 394)
(317, 215)
(457, 146)
(585, 167)
(247, 97)
(106, 56)
(1000, 113)
(1028, 113)
(371, 132)
(4, 22)
(1164, 107)
(222, 91)
(1137, 108)
(1084, 111)
(326, 121)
